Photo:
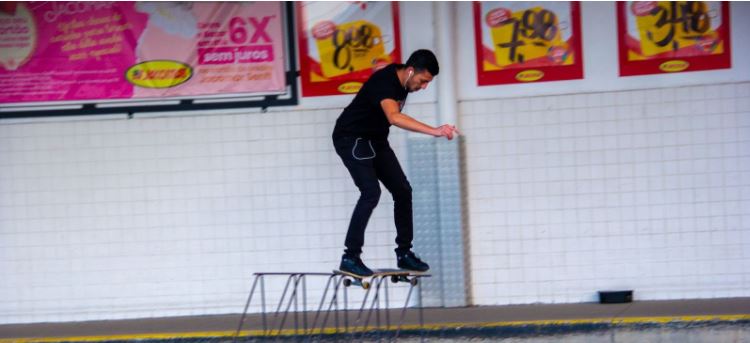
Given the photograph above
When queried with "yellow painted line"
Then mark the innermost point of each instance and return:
(623, 320)
(668, 319)
(428, 327)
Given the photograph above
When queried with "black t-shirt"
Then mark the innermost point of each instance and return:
(364, 117)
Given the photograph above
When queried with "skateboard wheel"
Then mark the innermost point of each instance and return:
(414, 281)
(347, 282)
(394, 278)
(365, 285)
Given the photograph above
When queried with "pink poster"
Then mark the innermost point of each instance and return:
(73, 51)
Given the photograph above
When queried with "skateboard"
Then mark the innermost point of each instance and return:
(396, 275)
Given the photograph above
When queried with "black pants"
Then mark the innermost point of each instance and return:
(370, 161)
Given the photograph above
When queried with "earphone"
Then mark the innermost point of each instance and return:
(408, 77)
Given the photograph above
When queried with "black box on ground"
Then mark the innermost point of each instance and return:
(615, 297)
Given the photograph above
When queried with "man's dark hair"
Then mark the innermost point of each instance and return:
(424, 59)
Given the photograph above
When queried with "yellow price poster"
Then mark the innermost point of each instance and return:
(672, 36)
(527, 41)
(342, 43)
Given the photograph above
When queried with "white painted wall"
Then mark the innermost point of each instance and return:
(573, 186)
(608, 183)
(646, 190)
(108, 219)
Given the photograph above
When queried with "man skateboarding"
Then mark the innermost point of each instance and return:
(361, 140)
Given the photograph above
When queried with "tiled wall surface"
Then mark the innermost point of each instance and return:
(106, 219)
(566, 195)
(646, 190)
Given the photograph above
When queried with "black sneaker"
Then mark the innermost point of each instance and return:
(354, 265)
(410, 261)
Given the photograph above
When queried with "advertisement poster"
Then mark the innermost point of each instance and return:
(342, 43)
(74, 51)
(657, 37)
(518, 42)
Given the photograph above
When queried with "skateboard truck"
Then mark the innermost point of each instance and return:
(357, 281)
(403, 278)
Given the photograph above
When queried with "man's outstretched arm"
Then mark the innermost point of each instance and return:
(395, 117)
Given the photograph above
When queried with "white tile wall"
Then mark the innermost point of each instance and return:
(149, 217)
(646, 190)
(106, 219)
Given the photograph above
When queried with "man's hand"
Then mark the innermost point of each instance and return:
(447, 131)
(395, 117)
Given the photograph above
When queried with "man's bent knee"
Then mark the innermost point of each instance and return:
(403, 192)
(370, 195)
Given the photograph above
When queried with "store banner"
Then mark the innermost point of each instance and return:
(342, 43)
(518, 42)
(658, 37)
(74, 51)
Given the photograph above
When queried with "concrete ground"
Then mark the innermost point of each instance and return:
(521, 317)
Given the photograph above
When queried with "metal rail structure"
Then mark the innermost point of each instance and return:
(296, 288)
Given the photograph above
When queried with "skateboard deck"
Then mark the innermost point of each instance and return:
(397, 275)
